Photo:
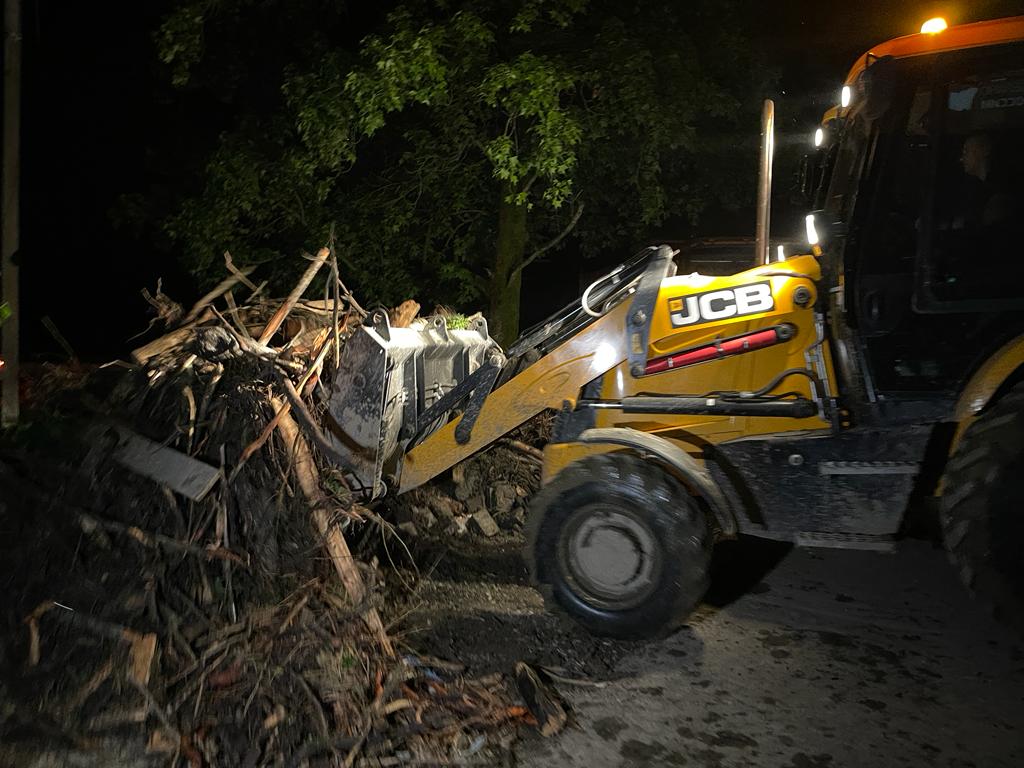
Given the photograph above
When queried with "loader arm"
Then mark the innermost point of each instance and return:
(641, 344)
(554, 379)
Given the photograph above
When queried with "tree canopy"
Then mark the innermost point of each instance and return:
(459, 141)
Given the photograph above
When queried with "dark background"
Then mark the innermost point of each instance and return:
(103, 131)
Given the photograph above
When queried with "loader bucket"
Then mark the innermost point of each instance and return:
(387, 379)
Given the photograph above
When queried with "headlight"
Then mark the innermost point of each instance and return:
(812, 231)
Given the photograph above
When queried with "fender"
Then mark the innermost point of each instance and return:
(984, 384)
(678, 460)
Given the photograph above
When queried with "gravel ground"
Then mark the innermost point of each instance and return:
(799, 658)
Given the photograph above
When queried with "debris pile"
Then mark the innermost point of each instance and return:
(484, 496)
(176, 567)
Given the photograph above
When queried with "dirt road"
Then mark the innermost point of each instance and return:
(801, 658)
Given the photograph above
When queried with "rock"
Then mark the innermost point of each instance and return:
(514, 520)
(423, 518)
(404, 514)
(457, 526)
(466, 480)
(445, 507)
(503, 498)
(475, 503)
(482, 523)
(408, 530)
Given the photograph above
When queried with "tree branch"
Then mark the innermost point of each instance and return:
(528, 184)
(551, 243)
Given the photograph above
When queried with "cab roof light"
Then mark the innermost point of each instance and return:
(934, 26)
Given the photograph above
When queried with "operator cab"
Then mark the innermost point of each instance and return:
(918, 202)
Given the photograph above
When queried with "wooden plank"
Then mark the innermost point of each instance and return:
(170, 341)
(184, 475)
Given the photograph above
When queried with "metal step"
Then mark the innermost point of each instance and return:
(825, 540)
(868, 467)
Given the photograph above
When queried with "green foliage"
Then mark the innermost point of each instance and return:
(408, 146)
(457, 322)
(180, 39)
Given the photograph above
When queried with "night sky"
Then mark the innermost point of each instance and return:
(102, 130)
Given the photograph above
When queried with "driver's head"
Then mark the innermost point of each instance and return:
(976, 155)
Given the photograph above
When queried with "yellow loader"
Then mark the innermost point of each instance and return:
(805, 399)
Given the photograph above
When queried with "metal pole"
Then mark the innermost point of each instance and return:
(10, 185)
(764, 188)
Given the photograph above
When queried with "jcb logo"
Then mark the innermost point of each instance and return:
(718, 305)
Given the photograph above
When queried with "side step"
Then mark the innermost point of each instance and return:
(826, 540)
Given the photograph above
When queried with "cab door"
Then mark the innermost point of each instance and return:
(931, 271)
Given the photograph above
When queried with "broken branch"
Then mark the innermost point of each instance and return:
(282, 312)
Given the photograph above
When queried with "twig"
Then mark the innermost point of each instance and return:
(222, 525)
(91, 686)
(282, 312)
(221, 288)
(32, 620)
(259, 289)
(169, 341)
(299, 605)
(316, 706)
(89, 523)
(229, 298)
(336, 284)
(211, 387)
(309, 424)
(527, 450)
(398, 675)
(577, 681)
(268, 430)
(243, 275)
(155, 708)
(191, 432)
(50, 326)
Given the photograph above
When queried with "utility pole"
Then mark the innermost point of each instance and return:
(11, 211)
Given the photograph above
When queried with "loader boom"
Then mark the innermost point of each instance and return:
(554, 380)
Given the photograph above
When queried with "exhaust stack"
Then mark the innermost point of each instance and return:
(764, 187)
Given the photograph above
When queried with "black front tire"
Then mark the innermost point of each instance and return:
(982, 507)
(623, 498)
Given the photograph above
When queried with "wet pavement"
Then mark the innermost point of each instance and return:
(802, 658)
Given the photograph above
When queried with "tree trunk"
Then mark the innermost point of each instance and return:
(507, 282)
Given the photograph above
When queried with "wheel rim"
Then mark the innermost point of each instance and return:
(609, 556)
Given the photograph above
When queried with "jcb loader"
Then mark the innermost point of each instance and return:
(805, 399)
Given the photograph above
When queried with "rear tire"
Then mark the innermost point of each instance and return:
(982, 507)
(620, 545)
